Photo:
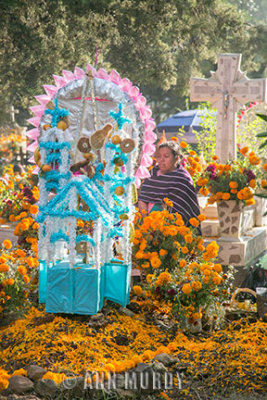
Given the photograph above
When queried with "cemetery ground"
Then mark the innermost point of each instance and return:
(55, 356)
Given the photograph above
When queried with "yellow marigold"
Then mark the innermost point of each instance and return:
(162, 252)
(7, 244)
(233, 185)
(194, 222)
(201, 217)
(164, 277)
(183, 144)
(4, 267)
(250, 202)
(4, 382)
(26, 279)
(217, 268)
(20, 372)
(226, 196)
(137, 290)
(58, 378)
(252, 183)
(2, 259)
(35, 225)
(186, 289)
(147, 355)
(149, 278)
(155, 262)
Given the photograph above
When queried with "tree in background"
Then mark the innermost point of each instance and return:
(158, 44)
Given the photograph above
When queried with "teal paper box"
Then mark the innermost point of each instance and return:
(77, 290)
(117, 282)
(59, 297)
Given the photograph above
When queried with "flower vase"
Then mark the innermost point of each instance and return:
(230, 218)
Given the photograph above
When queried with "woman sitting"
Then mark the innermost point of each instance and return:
(169, 179)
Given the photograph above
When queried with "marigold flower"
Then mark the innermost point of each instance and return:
(252, 183)
(155, 262)
(196, 285)
(22, 270)
(149, 278)
(163, 252)
(217, 268)
(250, 202)
(194, 222)
(186, 289)
(184, 250)
(215, 158)
(201, 217)
(182, 263)
(26, 279)
(183, 144)
(226, 196)
(174, 139)
(233, 185)
(4, 267)
(216, 280)
(7, 244)
(244, 150)
(265, 167)
(164, 277)
(264, 183)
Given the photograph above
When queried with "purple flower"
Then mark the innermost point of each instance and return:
(250, 174)
(211, 168)
(171, 292)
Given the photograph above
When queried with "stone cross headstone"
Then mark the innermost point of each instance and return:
(13, 112)
(227, 90)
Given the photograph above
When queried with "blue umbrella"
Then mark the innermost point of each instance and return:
(189, 121)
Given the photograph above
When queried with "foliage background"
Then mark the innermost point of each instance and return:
(158, 44)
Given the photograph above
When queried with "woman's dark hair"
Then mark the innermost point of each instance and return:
(173, 146)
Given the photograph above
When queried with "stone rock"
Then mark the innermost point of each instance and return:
(20, 384)
(74, 387)
(34, 372)
(141, 379)
(46, 388)
(126, 311)
(166, 359)
(158, 367)
(134, 307)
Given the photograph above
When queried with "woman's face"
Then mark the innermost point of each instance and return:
(166, 160)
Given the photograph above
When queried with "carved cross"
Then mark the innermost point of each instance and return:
(227, 90)
(12, 113)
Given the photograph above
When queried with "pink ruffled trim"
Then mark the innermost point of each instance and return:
(126, 85)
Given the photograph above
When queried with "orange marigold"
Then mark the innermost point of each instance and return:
(183, 144)
(186, 289)
(4, 267)
(7, 244)
(194, 222)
